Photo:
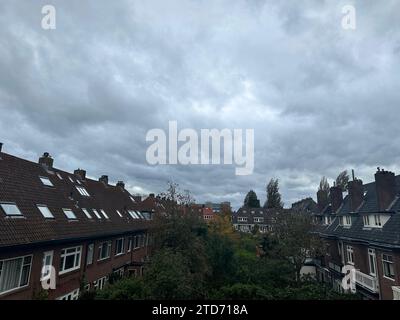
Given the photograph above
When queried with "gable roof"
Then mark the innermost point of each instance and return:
(20, 184)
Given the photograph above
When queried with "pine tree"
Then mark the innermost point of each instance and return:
(251, 200)
(273, 195)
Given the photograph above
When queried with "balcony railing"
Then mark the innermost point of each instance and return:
(367, 281)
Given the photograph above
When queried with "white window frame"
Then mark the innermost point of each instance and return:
(350, 254)
(46, 267)
(90, 254)
(45, 211)
(122, 247)
(73, 295)
(242, 219)
(372, 261)
(13, 205)
(77, 262)
(390, 263)
(366, 221)
(82, 191)
(46, 181)
(377, 221)
(68, 214)
(101, 283)
(20, 275)
(129, 244)
(87, 214)
(109, 247)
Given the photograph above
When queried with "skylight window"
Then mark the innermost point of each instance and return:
(69, 214)
(11, 209)
(82, 191)
(97, 214)
(78, 181)
(133, 214)
(133, 200)
(70, 179)
(59, 176)
(45, 211)
(87, 214)
(119, 213)
(105, 214)
(139, 214)
(46, 181)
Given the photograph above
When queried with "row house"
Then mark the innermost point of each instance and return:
(205, 213)
(361, 230)
(246, 219)
(62, 233)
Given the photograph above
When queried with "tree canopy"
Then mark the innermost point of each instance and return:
(251, 200)
(273, 196)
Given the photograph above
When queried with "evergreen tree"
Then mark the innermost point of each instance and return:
(324, 185)
(273, 195)
(251, 200)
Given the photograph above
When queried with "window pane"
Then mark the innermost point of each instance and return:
(69, 262)
(10, 274)
(45, 212)
(11, 209)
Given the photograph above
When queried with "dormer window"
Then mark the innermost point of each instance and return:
(347, 221)
(374, 221)
(69, 214)
(10, 209)
(46, 181)
(82, 191)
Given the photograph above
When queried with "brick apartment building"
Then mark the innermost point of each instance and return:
(362, 230)
(86, 229)
(246, 219)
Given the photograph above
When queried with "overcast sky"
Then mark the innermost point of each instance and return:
(320, 98)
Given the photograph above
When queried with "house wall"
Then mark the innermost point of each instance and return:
(65, 283)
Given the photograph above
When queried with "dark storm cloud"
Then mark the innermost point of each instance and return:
(320, 99)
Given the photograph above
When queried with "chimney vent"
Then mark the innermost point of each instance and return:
(104, 179)
(46, 160)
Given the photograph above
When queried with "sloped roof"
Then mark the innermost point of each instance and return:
(20, 183)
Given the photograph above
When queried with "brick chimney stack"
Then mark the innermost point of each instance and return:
(80, 173)
(385, 183)
(336, 198)
(1, 146)
(46, 160)
(104, 179)
(121, 184)
(356, 193)
(322, 199)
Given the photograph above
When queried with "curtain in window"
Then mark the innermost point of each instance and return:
(10, 275)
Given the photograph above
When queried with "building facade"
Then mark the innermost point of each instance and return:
(62, 233)
(361, 232)
(247, 219)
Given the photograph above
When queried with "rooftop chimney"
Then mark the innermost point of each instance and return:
(151, 195)
(104, 179)
(80, 173)
(46, 160)
(121, 184)
(336, 197)
(1, 146)
(356, 193)
(322, 199)
(385, 183)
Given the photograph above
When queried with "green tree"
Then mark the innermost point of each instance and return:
(251, 200)
(324, 185)
(273, 196)
(342, 180)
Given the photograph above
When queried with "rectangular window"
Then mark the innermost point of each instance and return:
(87, 214)
(372, 262)
(377, 220)
(105, 250)
(69, 214)
(89, 254)
(347, 221)
(242, 219)
(129, 244)
(341, 250)
(388, 266)
(45, 211)
(47, 265)
(119, 246)
(100, 283)
(70, 259)
(97, 214)
(10, 209)
(133, 214)
(350, 255)
(14, 273)
(366, 221)
(82, 191)
(46, 181)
